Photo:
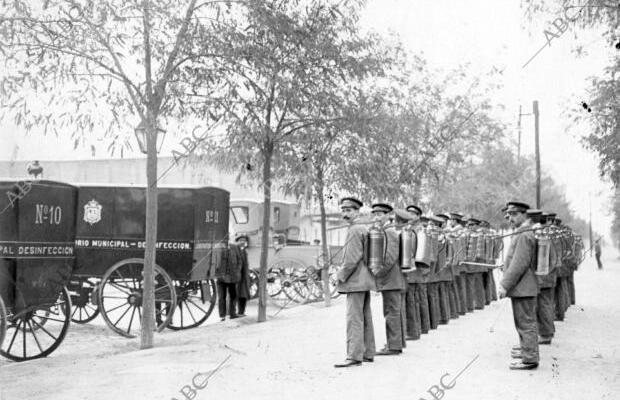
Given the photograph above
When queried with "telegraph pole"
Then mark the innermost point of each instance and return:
(519, 129)
(590, 222)
(537, 144)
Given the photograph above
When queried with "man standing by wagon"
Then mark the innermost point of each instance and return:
(227, 274)
(243, 286)
(520, 284)
(356, 280)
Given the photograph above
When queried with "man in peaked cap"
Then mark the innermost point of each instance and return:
(520, 284)
(414, 209)
(416, 301)
(356, 280)
(545, 301)
(391, 283)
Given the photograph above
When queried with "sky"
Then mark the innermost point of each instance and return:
(483, 34)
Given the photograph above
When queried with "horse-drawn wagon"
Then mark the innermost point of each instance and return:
(192, 236)
(37, 227)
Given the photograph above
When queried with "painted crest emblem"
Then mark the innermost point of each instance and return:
(92, 212)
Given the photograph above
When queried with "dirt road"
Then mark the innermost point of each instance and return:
(292, 357)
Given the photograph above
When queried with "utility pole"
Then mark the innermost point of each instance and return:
(519, 129)
(590, 223)
(537, 144)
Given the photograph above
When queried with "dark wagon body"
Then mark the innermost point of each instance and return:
(192, 238)
(37, 230)
(192, 229)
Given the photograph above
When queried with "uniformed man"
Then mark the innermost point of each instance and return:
(416, 302)
(562, 291)
(391, 283)
(545, 301)
(356, 280)
(455, 229)
(520, 284)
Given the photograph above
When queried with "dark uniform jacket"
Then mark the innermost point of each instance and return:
(243, 286)
(519, 278)
(390, 277)
(229, 270)
(354, 275)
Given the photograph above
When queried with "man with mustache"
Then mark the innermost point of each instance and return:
(356, 280)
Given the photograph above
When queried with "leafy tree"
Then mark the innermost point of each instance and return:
(286, 57)
(600, 110)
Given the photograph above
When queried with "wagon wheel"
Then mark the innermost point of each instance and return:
(37, 331)
(254, 284)
(274, 283)
(84, 300)
(294, 279)
(120, 297)
(195, 302)
(3, 321)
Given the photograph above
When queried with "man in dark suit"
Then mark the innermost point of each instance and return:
(243, 286)
(356, 280)
(227, 275)
(520, 284)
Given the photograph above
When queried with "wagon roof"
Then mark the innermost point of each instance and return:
(141, 186)
(260, 201)
(37, 181)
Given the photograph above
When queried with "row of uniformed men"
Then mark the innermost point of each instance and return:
(537, 299)
(413, 301)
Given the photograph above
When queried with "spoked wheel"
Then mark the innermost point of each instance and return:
(121, 293)
(254, 284)
(84, 300)
(294, 279)
(37, 331)
(274, 283)
(3, 321)
(195, 302)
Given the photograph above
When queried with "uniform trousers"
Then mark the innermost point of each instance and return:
(224, 289)
(489, 287)
(394, 330)
(444, 302)
(453, 298)
(433, 304)
(470, 283)
(561, 304)
(546, 312)
(571, 287)
(461, 288)
(412, 312)
(524, 314)
(480, 297)
(422, 299)
(360, 331)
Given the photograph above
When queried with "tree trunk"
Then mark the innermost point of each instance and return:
(325, 252)
(148, 299)
(262, 277)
